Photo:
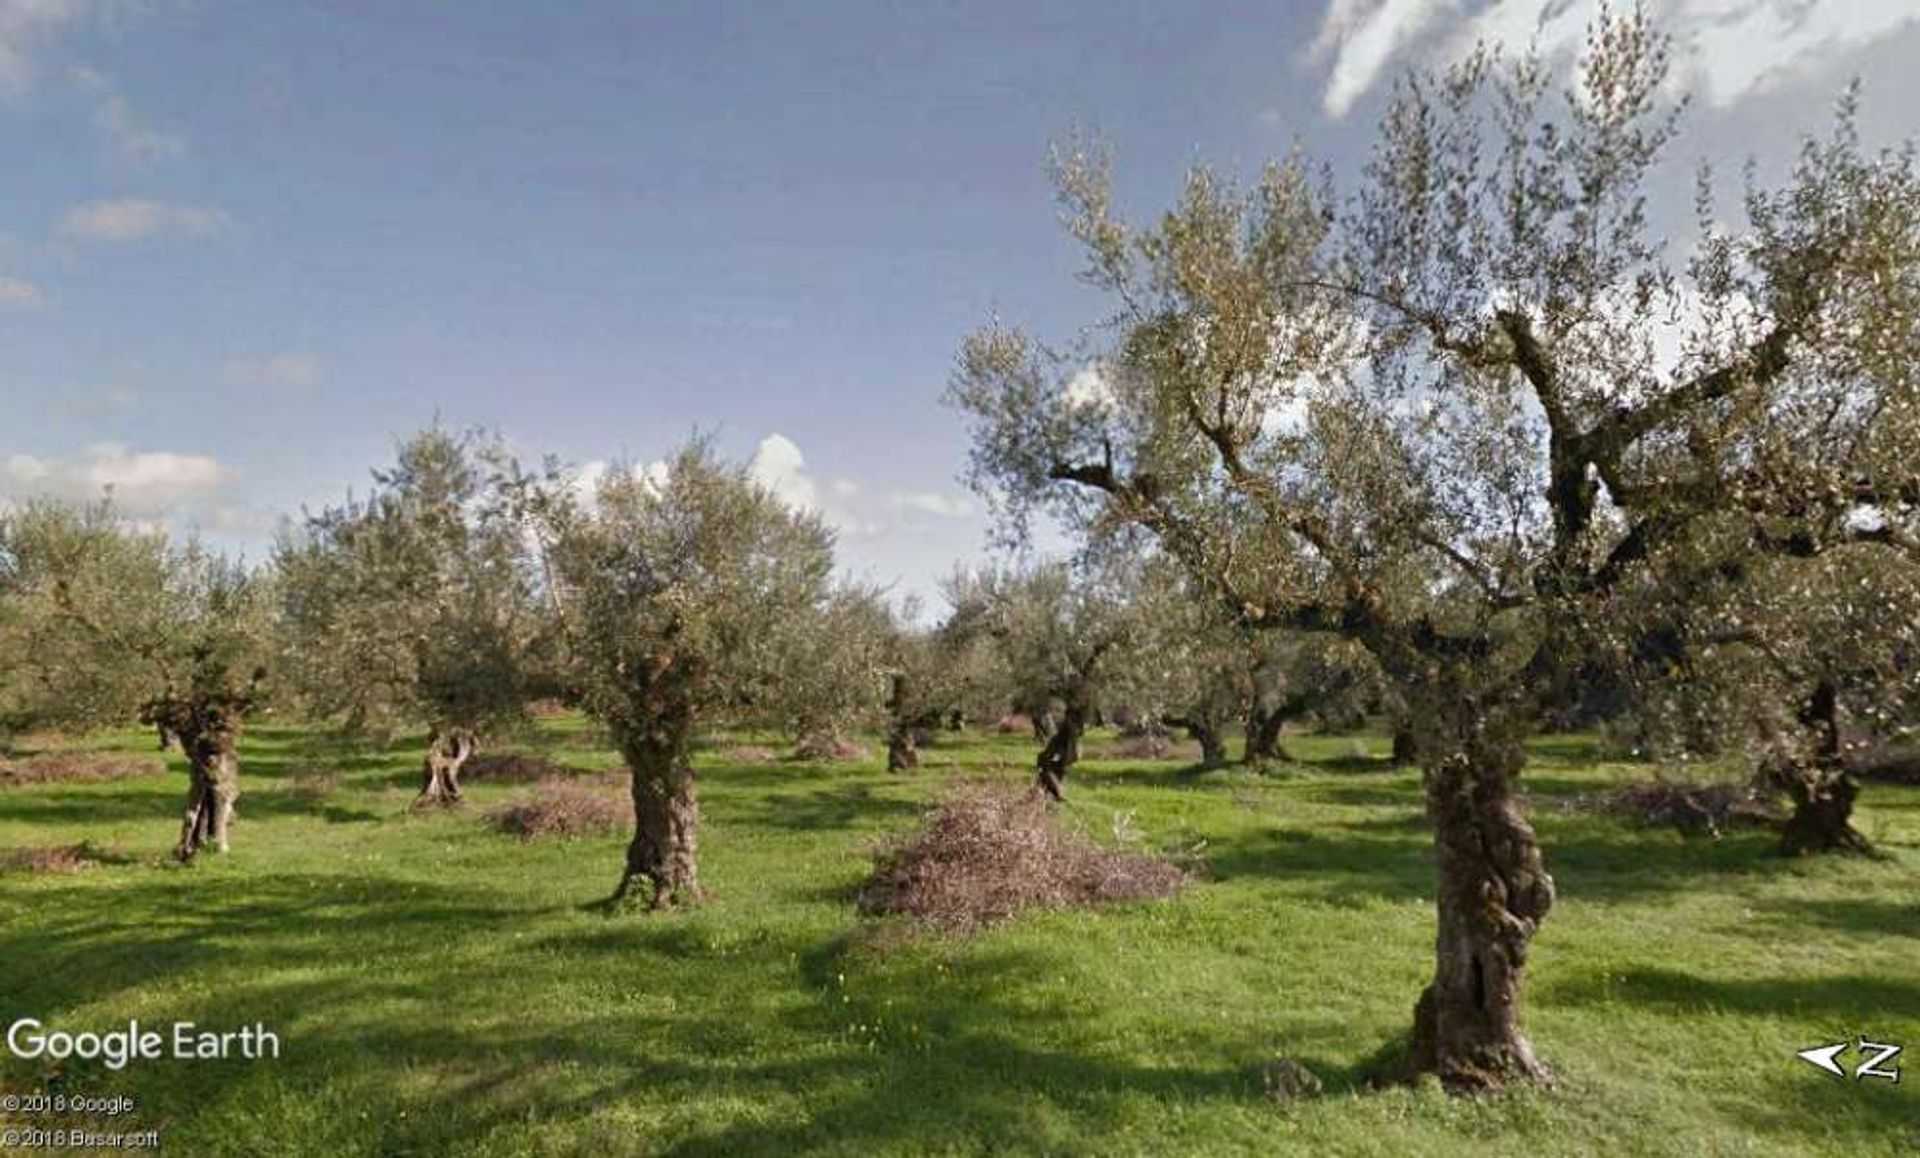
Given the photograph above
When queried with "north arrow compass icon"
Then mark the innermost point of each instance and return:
(1879, 1061)
(1823, 1056)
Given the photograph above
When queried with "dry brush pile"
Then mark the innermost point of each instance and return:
(79, 767)
(564, 808)
(989, 851)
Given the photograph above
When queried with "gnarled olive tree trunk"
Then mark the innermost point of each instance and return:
(1205, 728)
(448, 750)
(1062, 750)
(208, 733)
(666, 813)
(903, 752)
(1820, 785)
(1263, 737)
(1493, 893)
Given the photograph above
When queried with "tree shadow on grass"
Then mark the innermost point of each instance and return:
(1875, 917)
(854, 805)
(1391, 858)
(1852, 1002)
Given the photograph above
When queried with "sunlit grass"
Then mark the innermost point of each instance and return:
(443, 989)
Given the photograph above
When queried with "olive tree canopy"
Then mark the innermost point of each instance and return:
(688, 596)
(102, 623)
(416, 604)
(1444, 416)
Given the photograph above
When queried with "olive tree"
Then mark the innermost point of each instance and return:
(1435, 418)
(941, 676)
(107, 624)
(415, 604)
(1807, 664)
(688, 597)
(1065, 635)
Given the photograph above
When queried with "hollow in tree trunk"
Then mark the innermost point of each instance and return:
(1820, 786)
(1062, 751)
(448, 750)
(1494, 892)
(902, 752)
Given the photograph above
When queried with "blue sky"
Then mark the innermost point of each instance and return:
(245, 246)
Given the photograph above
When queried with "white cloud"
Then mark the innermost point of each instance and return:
(778, 465)
(144, 484)
(126, 130)
(22, 22)
(1725, 48)
(288, 370)
(1088, 389)
(1363, 35)
(132, 218)
(15, 292)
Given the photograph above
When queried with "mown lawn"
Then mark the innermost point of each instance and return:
(443, 989)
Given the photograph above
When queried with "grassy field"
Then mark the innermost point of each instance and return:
(440, 988)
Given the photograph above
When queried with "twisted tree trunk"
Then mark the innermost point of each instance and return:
(1062, 751)
(1263, 736)
(1494, 892)
(902, 751)
(448, 751)
(1821, 787)
(207, 728)
(661, 867)
(661, 857)
(1204, 728)
(1404, 750)
(214, 769)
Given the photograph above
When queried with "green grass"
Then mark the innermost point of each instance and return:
(442, 989)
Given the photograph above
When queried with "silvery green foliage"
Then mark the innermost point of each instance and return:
(1068, 633)
(837, 681)
(417, 603)
(1446, 414)
(699, 576)
(101, 621)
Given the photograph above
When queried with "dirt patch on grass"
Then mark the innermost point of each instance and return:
(564, 808)
(59, 858)
(989, 851)
(78, 768)
(517, 768)
(748, 754)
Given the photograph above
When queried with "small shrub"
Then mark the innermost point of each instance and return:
(1694, 807)
(563, 808)
(828, 748)
(78, 768)
(516, 768)
(989, 851)
(59, 858)
(1145, 746)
